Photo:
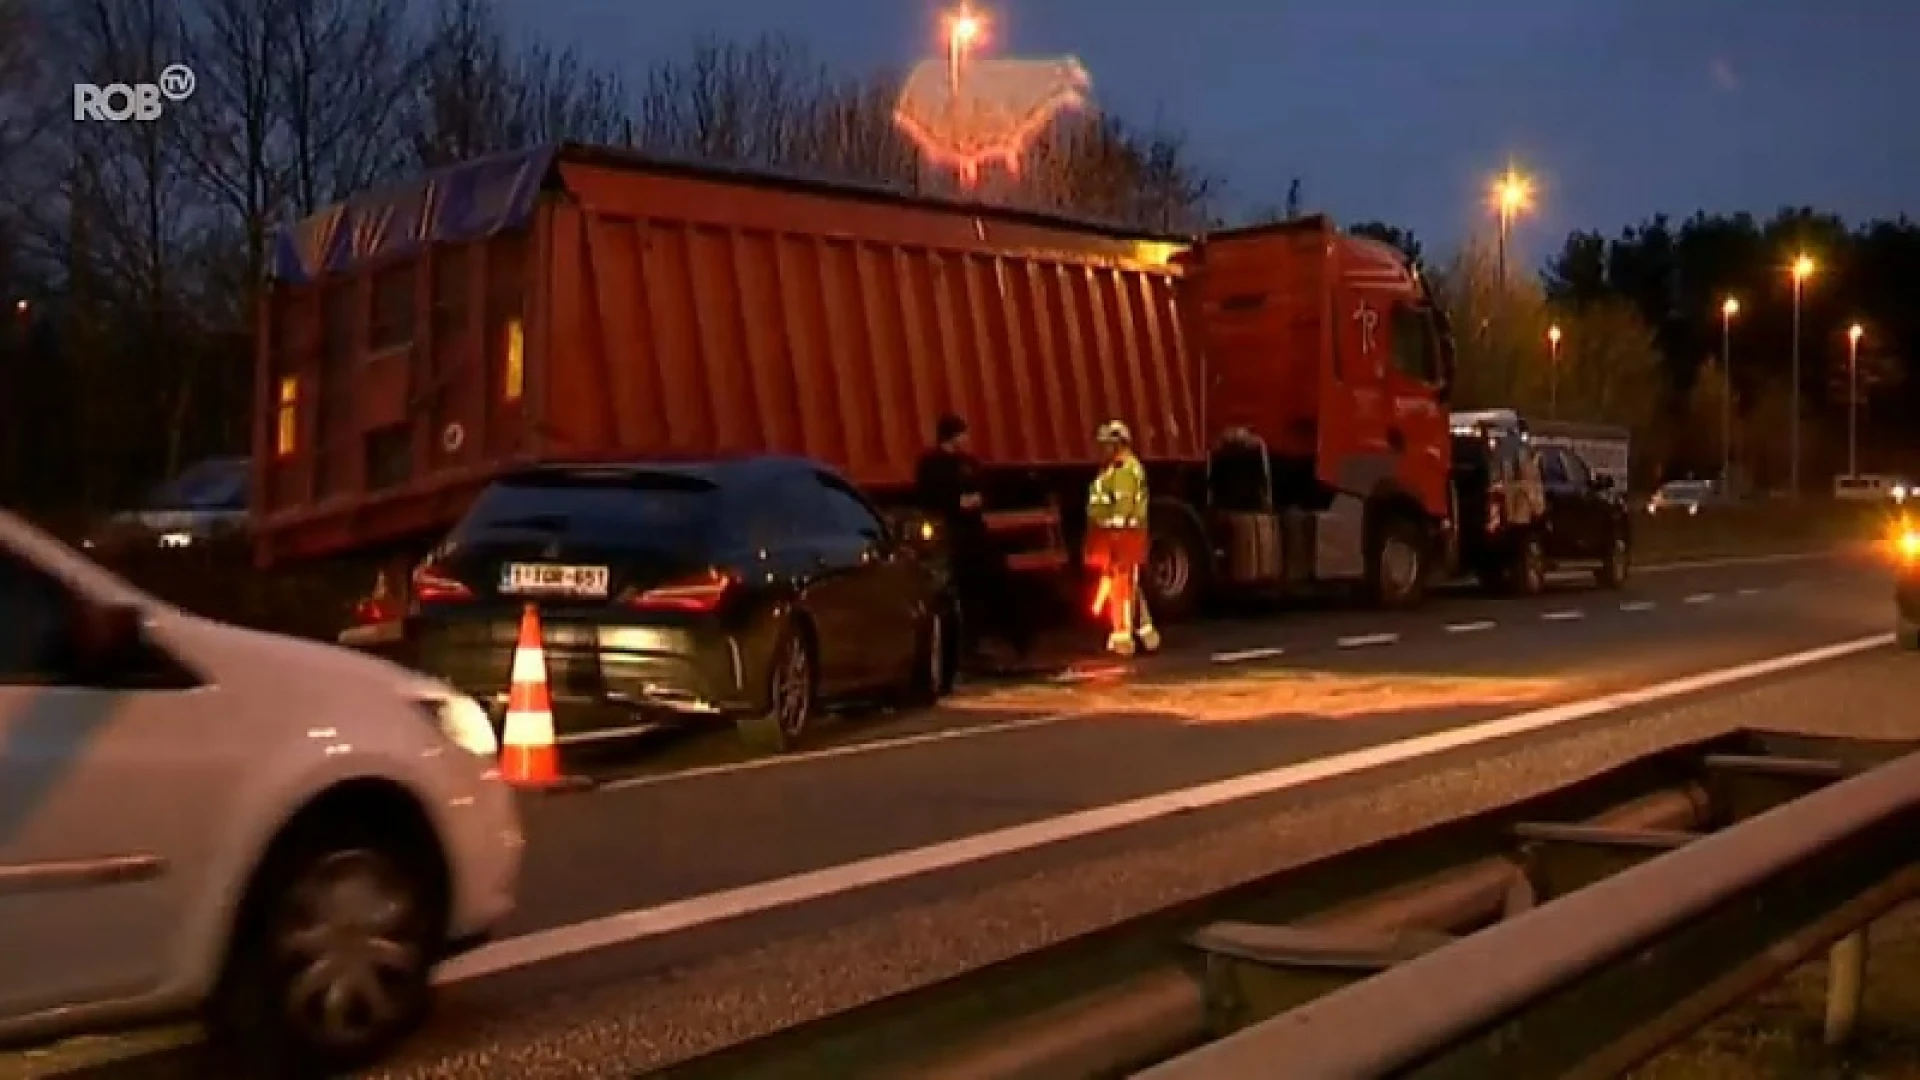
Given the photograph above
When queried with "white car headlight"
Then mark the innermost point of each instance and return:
(464, 723)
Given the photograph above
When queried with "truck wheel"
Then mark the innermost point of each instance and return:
(1397, 564)
(1179, 561)
(1528, 575)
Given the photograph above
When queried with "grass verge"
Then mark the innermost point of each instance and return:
(1777, 1036)
(1760, 528)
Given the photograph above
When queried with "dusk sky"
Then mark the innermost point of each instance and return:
(1402, 109)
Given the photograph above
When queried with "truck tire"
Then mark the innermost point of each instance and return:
(1179, 562)
(1397, 563)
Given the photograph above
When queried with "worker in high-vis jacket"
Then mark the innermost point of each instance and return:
(1117, 541)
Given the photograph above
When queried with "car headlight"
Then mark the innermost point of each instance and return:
(463, 722)
(1908, 544)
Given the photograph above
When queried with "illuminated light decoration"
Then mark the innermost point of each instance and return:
(966, 113)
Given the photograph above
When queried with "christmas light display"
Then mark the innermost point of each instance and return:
(966, 112)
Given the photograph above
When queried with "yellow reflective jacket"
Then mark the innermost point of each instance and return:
(1118, 498)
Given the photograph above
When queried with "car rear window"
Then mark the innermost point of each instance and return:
(615, 508)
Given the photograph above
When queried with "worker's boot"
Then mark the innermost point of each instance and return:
(1120, 644)
(1149, 639)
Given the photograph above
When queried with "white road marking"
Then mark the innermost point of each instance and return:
(1638, 605)
(605, 734)
(1570, 615)
(1362, 641)
(1700, 598)
(626, 927)
(849, 750)
(1471, 627)
(1739, 560)
(1243, 655)
(1750, 592)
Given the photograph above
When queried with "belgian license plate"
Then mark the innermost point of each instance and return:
(544, 579)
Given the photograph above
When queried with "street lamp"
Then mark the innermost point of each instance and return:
(1512, 196)
(1553, 372)
(964, 29)
(1728, 309)
(1854, 334)
(1803, 268)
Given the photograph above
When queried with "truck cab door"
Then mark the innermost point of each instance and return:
(1358, 447)
(1416, 421)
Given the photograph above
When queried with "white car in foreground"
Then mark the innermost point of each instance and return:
(280, 836)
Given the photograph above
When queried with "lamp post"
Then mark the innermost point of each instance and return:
(1803, 268)
(1553, 372)
(963, 32)
(1512, 196)
(1854, 334)
(1728, 309)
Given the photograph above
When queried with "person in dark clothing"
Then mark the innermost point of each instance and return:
(949, 488)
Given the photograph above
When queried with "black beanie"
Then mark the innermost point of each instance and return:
(949, 427)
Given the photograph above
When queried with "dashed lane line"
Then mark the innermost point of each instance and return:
(1638, 605)
(1568, 615)
(1241, 656)
(1699, 598)
(1471, 627)
(1366, 641)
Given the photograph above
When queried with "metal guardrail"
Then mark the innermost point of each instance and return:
(1601, 980)
(1567, 935)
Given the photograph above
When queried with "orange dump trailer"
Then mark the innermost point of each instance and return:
(597, 308)
(570, 303)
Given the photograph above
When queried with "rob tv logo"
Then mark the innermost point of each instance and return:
(120, 102)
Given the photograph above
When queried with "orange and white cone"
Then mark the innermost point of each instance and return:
(528, 756)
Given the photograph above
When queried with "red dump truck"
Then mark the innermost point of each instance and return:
(1285, 384)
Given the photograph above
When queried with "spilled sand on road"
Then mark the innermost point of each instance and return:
(1284, 695)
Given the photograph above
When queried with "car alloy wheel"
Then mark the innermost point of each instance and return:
(351, 942)
(793, 689)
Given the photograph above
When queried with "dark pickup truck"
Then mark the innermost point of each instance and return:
(1526, 510)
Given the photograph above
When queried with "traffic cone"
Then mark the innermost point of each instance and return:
(528, 756)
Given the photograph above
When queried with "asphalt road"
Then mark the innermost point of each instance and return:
(653, 872)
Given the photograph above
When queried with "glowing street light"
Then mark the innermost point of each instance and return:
(964, 31)
(1854, 334)
(1512, 196)
(1803, 268)
(1553, 371)
(1728, 309)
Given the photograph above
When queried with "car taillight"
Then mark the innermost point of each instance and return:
(699, 594)
(431, 585)
(1907, 543)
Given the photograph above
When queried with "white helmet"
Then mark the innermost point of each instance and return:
(1113, 431)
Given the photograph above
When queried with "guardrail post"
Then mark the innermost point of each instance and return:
(1846, 986)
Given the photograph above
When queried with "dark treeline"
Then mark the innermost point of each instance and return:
(131, 255)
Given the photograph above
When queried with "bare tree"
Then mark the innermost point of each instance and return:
(478, 94)
(347, 67)
(767, 102)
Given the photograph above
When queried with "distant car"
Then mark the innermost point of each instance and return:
(279, 836)
(1681, 497)
(1906, 594)
(205, 502)
(1526, 510)
(754, 591)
